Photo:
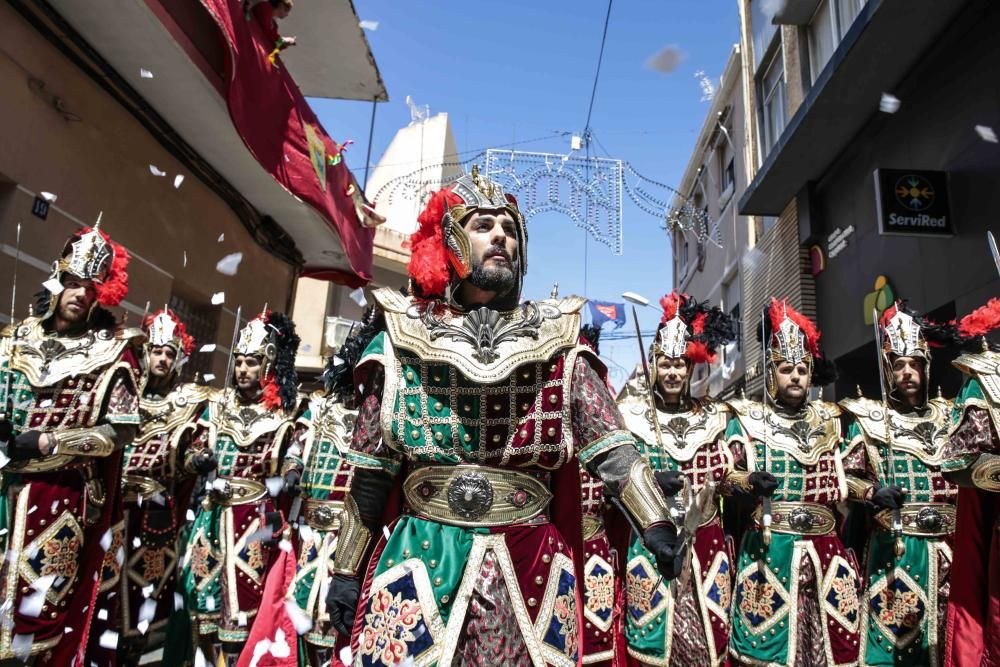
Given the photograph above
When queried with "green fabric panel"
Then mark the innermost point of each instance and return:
(915, 565)
(649, 639)
(195, 600)
(321, 469)
(771, 645)
(5, 508)
(971, 390)
(447, 546)
(733, 428)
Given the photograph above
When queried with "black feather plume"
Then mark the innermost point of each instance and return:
(286, 345)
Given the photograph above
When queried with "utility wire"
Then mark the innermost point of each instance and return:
(597, 74)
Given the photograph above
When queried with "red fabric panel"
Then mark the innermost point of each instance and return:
(973, 634)
(271, 115)
(273, 616)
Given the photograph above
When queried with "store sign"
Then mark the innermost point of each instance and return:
(913, 202)
(837, 241)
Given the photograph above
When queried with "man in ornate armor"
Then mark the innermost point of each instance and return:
(686, 623)
(69, 404)
(894, 449)
(490, 407)
(249, 428)
(796, 591)
(972, 460)
(157, 484)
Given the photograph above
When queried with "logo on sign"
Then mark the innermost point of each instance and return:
(914, 192)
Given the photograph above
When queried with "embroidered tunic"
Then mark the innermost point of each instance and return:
(61, 514)
(488, 413)
(686, 622)
(229, 549)
(795, 601)
(906, 597)
(156, 491)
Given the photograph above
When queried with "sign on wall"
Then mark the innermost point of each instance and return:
(913, 202)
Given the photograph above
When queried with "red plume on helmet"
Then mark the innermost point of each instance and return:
(180, 329)
(779, 310)
(981, 321)
(707, 326)
(114, 286)
(430, 258)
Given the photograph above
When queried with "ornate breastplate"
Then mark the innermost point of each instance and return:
(484, 345)
(162, 416)
(922, 435)
(681, 434)
(244, 423)
(806, 436)
(985, 367)
(46, 359)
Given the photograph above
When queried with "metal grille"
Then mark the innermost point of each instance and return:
(202, 321)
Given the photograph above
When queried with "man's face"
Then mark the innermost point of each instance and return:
(247, 372)
(671, 375)
(493, 241)
(908, 376)
(76, 300)
(793, 383)
(161, 360)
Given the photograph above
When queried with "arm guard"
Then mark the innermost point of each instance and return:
(983, 474)
(859, 489)
(94, 442)
(642, 497)
(353, 540)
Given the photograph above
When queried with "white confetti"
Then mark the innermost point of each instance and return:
(53, 286)
(102, 614)
(190, 515)
(358, 297)
(146, 592)
(274, 485)
(241, 619)
(369, 25)
(184, 259)
(337, 361)
(306, 533)
(386, 533)
(222, 237)
(33, 509)
(4, 460)
(889, 103)
(48, 196)
(207, 347)
(120, 559)
(156, 171)
(32, 603)
(142, 627)
(20, 646)
(260, 649)
(178, 601)
(109, 640)
(106, 540)
(285, 546)
(218, 298)
(145, 73)
(54, 507)
(67, 630)
(299, 619)
(986, 133)
(279, 647)
(210, 604)
(136, 542)
(229, 264)
(178, 179)
(208, 377)
(158, 499)
(260, 535)
(345, 655)
(46, 403)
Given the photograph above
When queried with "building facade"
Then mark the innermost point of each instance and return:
(123, 110)
(707, 258)
(875, 161)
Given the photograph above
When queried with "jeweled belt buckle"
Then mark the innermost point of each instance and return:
(929, 519)
(470, 496)
(801, 519)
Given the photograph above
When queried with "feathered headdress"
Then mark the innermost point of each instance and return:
(90, 254)
(440, 251)
(164, 327)
(691, 329)
(271, 336)
(793, 337)
(338, 376)
(976, 325)
(590, 335)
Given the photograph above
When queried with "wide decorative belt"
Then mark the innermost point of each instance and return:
(476, 496)
(322, 514)
(134, 486)
(44, 464)
(231, 491)
(798, 518)
(922, 519)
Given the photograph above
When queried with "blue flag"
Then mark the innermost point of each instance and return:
(606, 311)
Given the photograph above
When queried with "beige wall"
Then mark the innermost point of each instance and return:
(101, 163)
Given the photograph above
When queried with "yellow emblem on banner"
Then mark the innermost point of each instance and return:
(317, 154)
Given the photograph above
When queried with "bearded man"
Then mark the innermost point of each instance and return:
(492, 408)
(69, 405)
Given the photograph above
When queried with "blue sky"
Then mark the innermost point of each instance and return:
(512, 71)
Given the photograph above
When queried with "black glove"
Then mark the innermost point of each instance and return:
(6, 430)
(342, 603)
(661, 541)
(886, 498)
(204, 462)
(291, 486)
(762, 484)
(25, 446)
(671, 481)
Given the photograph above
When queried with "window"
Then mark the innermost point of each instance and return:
(847, 11)
(734, 312)
(728, 175)
(202, 321)
(682, 261)
(830, 24)
(772, 101)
